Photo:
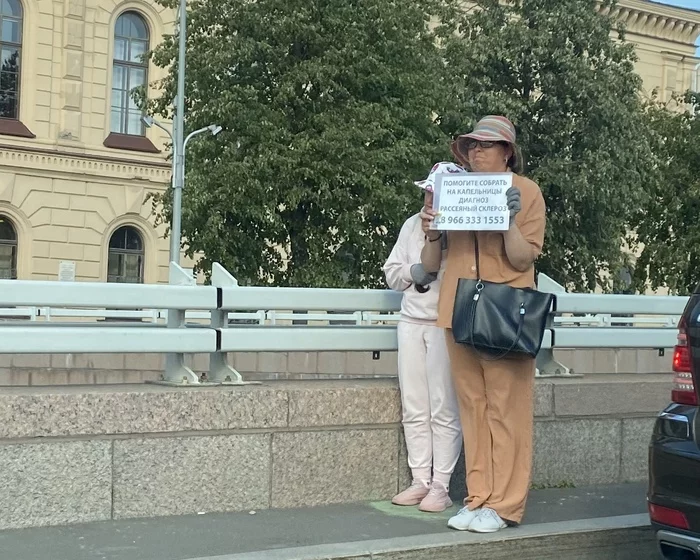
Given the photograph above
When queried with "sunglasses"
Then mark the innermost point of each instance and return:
(471, 144)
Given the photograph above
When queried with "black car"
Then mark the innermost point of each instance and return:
(674, 453)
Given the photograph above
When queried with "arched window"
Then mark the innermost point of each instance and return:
(129, 71)
(11, 50)
(8, 250)
(125, 260)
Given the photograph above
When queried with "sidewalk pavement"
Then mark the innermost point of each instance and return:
(359, 531)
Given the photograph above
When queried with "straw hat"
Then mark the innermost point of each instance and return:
(492, 128)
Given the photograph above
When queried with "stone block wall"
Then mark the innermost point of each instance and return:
(78, 454)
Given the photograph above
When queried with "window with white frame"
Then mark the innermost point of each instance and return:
(129, 71)
(11, 14)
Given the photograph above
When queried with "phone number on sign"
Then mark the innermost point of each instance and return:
(470, 220)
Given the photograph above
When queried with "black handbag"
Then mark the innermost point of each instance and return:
(497, 319)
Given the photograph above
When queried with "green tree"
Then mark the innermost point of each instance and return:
(328, 109)
(667, 227)
(571, 90)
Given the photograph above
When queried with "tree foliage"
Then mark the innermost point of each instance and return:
(331, 108)
(328, 109)
(667, 227)
(553, 67)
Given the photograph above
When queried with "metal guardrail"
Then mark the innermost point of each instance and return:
(274, 318)
(14, 293)
(64, 339)
(182, 318)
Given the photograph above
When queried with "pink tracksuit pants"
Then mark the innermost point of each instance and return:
(430, 411)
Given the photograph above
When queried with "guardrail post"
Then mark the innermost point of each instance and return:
(176, 371)
(547, 365)
(219, 369)
(548, 285)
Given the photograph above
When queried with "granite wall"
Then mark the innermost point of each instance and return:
(76, 454)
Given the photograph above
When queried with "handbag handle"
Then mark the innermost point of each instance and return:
(476, 255)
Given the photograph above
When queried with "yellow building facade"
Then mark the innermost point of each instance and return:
(664, 38)
(77, 163)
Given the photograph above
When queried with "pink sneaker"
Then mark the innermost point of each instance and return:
(412, 495)
(437, 500)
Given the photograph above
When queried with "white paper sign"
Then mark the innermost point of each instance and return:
(472, 201)
(66, 271)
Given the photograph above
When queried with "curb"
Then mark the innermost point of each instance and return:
(627, 537)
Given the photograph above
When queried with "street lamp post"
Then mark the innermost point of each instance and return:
(179, 141)
(149, 121)
(178, 144)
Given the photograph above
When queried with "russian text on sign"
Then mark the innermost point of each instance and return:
(472, 201)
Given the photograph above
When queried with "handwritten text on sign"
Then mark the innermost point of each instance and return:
(472, 201)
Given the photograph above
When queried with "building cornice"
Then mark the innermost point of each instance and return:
(650, 19)
(104, 168)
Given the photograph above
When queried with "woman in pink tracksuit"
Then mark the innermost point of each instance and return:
(430, 411)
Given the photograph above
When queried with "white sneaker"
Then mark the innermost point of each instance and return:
(463, 519)
(487, 521)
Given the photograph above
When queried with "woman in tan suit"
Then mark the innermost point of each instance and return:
(495, 396)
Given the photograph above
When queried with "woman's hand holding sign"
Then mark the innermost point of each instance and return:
(514, 203)
(432, 250)
(427, 215)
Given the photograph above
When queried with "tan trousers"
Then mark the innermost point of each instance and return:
(496, 410)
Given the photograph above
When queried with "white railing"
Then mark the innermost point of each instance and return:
(273, 318)
(182, 318)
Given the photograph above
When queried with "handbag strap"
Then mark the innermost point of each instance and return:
(476, 255)
(506, 352)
